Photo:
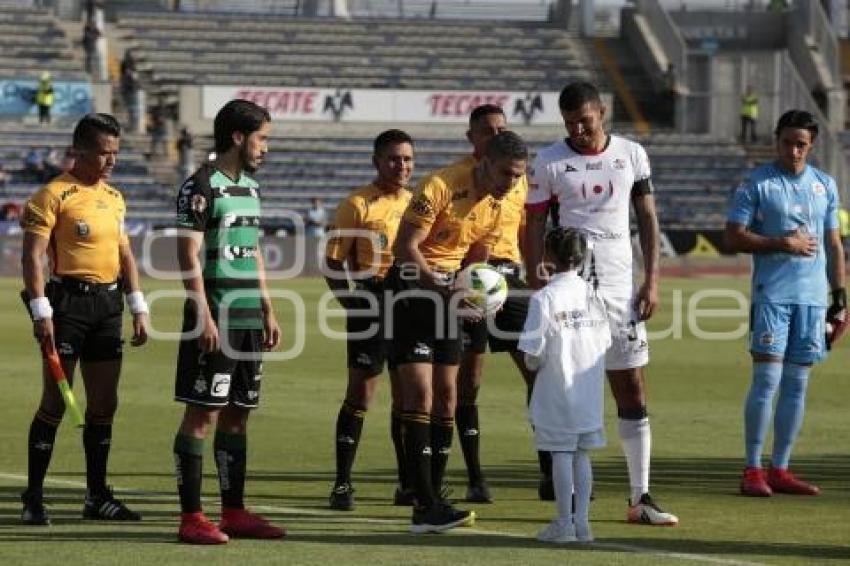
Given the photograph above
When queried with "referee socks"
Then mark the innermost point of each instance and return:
(349, 426)
(442, 431)
(468, 433)
(97, 440)
(417, 447)
(42, 436)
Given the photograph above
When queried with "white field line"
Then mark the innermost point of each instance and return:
(335, 517)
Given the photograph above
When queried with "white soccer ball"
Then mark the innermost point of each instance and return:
(488, 288)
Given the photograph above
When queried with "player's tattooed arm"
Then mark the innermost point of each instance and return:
(650, 245)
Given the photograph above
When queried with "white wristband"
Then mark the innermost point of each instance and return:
(136, 302)
(40, 308)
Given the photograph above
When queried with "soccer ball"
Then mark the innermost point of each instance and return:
(488, 288)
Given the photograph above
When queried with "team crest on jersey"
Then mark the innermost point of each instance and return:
(818, 188)
(596, 166)
(619, 164)
(199, 203)
(82, 229)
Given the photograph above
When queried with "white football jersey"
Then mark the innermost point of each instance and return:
(567, 329)
(594, 193)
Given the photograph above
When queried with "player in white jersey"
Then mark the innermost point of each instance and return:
(593, 177)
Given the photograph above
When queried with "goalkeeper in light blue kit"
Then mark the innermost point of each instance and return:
(786, 215)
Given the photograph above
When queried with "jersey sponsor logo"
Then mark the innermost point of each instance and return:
(199, 203)
(818, 188)
(595, 166)
(336, 104)
(231, 253)
(596, 190)
(83, 229)
(619, 164)
(570, 169)
(220, 385)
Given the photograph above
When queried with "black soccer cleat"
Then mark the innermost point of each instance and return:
(478, 493)
(104, 507)
(342, 497)
(440, 517)
(34, 512)
(546, 489)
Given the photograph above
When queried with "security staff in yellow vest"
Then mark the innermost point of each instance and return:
(749, 114)
(44, 98)
(844, 228)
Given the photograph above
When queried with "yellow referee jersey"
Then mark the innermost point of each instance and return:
(446, 207)
(84, 224)
(369, 209)
(513, 218)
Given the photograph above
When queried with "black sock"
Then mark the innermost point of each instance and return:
(40, 448)
(231, 459)
(398, 444)
(417, 447)
(468, 432)
(442, 431)
(545, 461)
(349, 425)
(97, 440)
(188, 460)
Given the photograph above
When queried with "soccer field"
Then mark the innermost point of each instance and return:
(696, 388)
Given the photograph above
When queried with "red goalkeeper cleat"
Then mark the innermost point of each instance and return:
(241, 523)
(781, 480)
(754, 483)
(195, 528)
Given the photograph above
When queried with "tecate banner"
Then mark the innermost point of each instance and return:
(17, 98)
(361, 105)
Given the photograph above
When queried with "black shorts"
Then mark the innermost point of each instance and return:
(422, 329)
(216, 379)
(502, 333)
(86, 319)
(368, 351)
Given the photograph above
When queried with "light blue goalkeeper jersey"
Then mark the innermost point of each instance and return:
(772, 203)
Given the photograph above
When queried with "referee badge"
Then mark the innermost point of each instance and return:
(82, 228)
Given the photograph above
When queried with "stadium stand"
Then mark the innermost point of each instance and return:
(210, 49)
(32, 41)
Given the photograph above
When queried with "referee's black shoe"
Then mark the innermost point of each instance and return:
(342, 497)
(440, 517)
(104, 507)
(34, 512)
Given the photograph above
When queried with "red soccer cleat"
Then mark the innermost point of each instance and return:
(783, 481)
(195, 528)
(754, 483)
(241, 523)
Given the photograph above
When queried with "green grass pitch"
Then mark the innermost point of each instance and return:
(696, 388)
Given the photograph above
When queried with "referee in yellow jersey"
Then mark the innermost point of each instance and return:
(359, 253)
(77, 220)
(455, 214)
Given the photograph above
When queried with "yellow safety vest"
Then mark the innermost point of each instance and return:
(843, 222)
(750, 106)
(44, 95)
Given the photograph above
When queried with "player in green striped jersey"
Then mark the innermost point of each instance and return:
(227, 322)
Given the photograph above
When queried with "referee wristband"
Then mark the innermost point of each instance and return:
(40, 308)
(136, 302)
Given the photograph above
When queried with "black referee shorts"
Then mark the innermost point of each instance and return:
(501, 333)
(86, 319)
(367, 342)
(422, 329)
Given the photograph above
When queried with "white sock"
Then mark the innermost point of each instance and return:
(636, 439)
(583, 477)
(562, 478)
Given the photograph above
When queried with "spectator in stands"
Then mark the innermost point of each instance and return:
(52, 163)
(4, 178)
(158, 131)
(44, 98)
(749, 114)
(130, 86)
(34, 165)
(186, 153)
(10, 211)
(316, 219)
(90, 37)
